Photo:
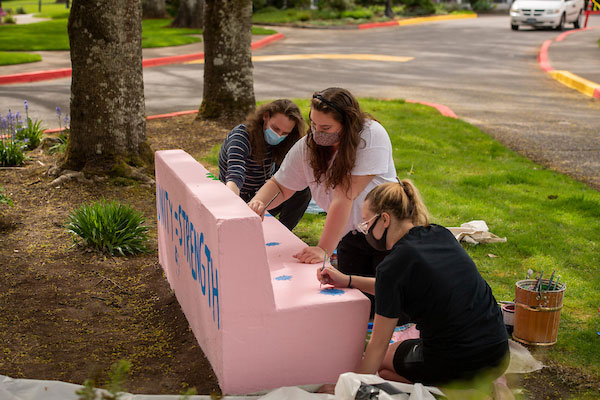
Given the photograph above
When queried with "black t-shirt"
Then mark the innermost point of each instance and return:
(429, 279)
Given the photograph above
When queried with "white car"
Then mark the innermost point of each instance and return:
(546, 13)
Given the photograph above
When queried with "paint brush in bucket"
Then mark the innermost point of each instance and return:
(550, 281)
(269, 203)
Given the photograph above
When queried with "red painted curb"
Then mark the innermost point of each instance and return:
(173, 114)
(265, 41)
(35, 76)
(543, 56)
(152, 62)
(444, 110)
(377, 25)
(155, 62)
(597, 93)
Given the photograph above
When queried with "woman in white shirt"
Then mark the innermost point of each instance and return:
(345, 154)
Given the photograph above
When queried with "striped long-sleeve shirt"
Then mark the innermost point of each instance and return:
(236, 163)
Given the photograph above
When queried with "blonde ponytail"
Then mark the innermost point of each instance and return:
(401, 199)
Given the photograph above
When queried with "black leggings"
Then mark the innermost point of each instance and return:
(410, 363)
(290, 212)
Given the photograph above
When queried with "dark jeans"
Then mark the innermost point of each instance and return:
(290, 211)
(357, 257)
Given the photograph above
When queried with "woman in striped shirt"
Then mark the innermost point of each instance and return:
(253, 150)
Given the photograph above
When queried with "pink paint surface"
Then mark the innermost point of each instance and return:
(257, 331)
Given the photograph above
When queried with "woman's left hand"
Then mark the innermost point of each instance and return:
(311, 255)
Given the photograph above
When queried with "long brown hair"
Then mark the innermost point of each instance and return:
(401, 199)
(255, 125)
(344, 108)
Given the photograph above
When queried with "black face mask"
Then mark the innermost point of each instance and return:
(377, 244)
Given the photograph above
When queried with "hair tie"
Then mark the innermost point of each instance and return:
(330, 104)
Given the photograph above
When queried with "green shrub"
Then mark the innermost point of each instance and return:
(4, 198)
(9, 20)
(109, 227)
(20, 10)
(114, 387)
(304, 16)
(482, 5)
(418, 7)
(31, 133)
(61, 146)
(11, 153)
(338, 5)
(358, 13)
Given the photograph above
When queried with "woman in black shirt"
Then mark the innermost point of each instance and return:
(428, 279)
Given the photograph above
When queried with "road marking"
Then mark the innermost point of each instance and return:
(292, 57)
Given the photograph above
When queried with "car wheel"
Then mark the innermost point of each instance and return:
(514, 27)
(561, 24)
(577, 22)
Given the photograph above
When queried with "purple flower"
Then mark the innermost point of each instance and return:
(26, 140)
(26, 105)
(3, 123)
(67, 120)
(58, 113)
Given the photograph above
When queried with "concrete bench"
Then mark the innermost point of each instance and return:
(259, 316)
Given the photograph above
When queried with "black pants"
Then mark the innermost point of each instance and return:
(290, 212)
(357, 257)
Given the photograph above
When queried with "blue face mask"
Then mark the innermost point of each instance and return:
(272, 138)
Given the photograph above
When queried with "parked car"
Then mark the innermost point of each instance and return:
(546, 13)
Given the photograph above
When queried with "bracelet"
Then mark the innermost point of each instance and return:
(350, 281)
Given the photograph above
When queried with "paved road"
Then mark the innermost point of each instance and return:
(485, 72)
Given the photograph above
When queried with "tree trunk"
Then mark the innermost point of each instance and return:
(190, 14)
(228, 82)
(107, 89)
(154, 8)
(388, 9)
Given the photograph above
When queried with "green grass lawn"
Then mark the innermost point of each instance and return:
(9, 58)
(49, 8)
(550, 220)
(52, 35)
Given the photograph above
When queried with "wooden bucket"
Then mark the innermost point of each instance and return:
(537, 314)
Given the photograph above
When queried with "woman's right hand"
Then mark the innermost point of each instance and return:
(331, 276)
(258, 207)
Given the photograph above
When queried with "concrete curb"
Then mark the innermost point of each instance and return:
(587, 87)
(151, 62)
(444, 110)
(418, 20)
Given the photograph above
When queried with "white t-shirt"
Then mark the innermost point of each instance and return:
(373, 157)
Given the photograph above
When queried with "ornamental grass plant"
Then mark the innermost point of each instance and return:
(109, 227)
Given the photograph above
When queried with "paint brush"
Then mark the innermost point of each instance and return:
(550, 281)
(538, 284)
(322, 268)
(269, 203)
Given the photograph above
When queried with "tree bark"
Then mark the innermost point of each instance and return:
(388, 9)
(154, 8)
(107, 89)
(190, 14)
(228, 81)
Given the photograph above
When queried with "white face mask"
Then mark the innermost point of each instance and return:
(325, 138)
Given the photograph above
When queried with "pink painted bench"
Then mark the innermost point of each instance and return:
(258, 315)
